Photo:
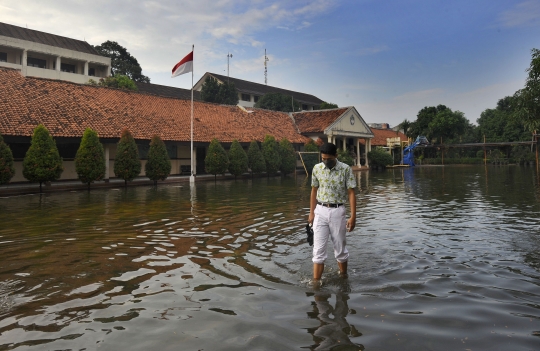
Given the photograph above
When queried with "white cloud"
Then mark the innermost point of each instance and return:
(371, 50)
(524, 14)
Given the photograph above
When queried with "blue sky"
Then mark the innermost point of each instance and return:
(389, 59)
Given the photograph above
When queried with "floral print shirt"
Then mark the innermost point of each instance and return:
(333, 183)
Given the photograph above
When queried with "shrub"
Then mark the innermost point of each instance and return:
(238, 159)
(270, 151)
(42, 162)
(216, 160)
(127, 164)
(7, 168)
(255, 158)
(379, 158)
(158, 165)
(288, 157)
(345, 157)
(90, 160)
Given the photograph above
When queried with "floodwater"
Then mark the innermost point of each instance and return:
(442, 258)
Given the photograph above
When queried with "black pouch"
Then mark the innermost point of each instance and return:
(309, 232)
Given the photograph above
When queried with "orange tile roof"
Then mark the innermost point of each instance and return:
(67, 109)
(317, 121)
(382, 134)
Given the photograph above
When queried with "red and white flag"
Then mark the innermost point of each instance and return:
(184, 66)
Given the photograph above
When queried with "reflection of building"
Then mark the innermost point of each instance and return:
(250, 92)
(341, 126)
(45, 55)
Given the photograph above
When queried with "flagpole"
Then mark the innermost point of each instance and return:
(192, 177)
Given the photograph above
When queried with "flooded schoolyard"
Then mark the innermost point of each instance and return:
(442, 258)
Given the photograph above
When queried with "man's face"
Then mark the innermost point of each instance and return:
(329, 160)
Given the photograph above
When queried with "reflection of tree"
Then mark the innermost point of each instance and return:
(334, 330)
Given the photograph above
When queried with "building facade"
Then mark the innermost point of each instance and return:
(44, 55)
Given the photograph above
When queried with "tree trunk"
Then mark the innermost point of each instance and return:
(40, 189)
(125, 183)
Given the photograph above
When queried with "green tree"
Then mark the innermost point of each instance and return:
(119, 82)
(278, 102)
(158, 165)
(238, 159)
(447, 124)
(255, 158)
(90, 160)
(327, 105)
(227, 94)
(498, 124)
(288, 156)
(528, 98)
(7, 168)
(42, 162)
(216, 160)
(210, 90)
(310, 160)
(270, 151)
(127, 165)
(405, 126)
(122, 63)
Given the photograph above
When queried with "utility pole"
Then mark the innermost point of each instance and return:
(229, 55)
(266, 59)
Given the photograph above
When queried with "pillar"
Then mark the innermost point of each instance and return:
(86, 68)
(329, 138)
(358, 152)
(58, 63)
(24, 61)
(106, 178)
(368, 148)
(194, 160)
(344, 141)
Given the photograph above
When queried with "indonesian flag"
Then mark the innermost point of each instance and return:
(184, 66)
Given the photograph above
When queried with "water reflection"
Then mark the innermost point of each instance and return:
(334, 332)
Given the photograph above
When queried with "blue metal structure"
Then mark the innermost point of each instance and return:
(408, 152)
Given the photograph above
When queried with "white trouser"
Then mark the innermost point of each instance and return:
(329, 222)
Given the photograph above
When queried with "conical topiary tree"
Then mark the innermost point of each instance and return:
(42, 162)
(238, 159)
(288, 156)
(255, 158)
(127, 164)
(216, 160)
(270, 151)
(7, 168)
(90, 160)
(158, 166)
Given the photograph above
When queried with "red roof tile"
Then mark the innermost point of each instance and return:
(382, 134)
(317, 121)
(67, 109)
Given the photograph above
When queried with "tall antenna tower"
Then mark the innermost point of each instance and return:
(266, 59)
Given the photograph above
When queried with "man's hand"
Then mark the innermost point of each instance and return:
(311, 218)
(351, 223)
(312, 204)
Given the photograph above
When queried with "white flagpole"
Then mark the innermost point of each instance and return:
(192, 177)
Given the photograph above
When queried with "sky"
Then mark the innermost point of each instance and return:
(387, 58)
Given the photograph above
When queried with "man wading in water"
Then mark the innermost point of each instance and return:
(332, 183)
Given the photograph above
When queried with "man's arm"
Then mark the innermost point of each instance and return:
(351, 223)
(313, 204)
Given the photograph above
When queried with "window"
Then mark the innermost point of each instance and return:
(3, 56)
(304, 107)
(92, 72)
(256, 98)
(35, 62)
(246, 97)
(66, 67)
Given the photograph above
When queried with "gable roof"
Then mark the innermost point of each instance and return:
(36, 36)
(244, 86)
(317, 121)
(380, 136)
(67, 109)
(163, 90)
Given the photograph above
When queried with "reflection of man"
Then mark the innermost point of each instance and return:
(332, 185)
(334, 329)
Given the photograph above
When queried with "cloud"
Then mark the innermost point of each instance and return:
(525, 14)
(372, 50)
